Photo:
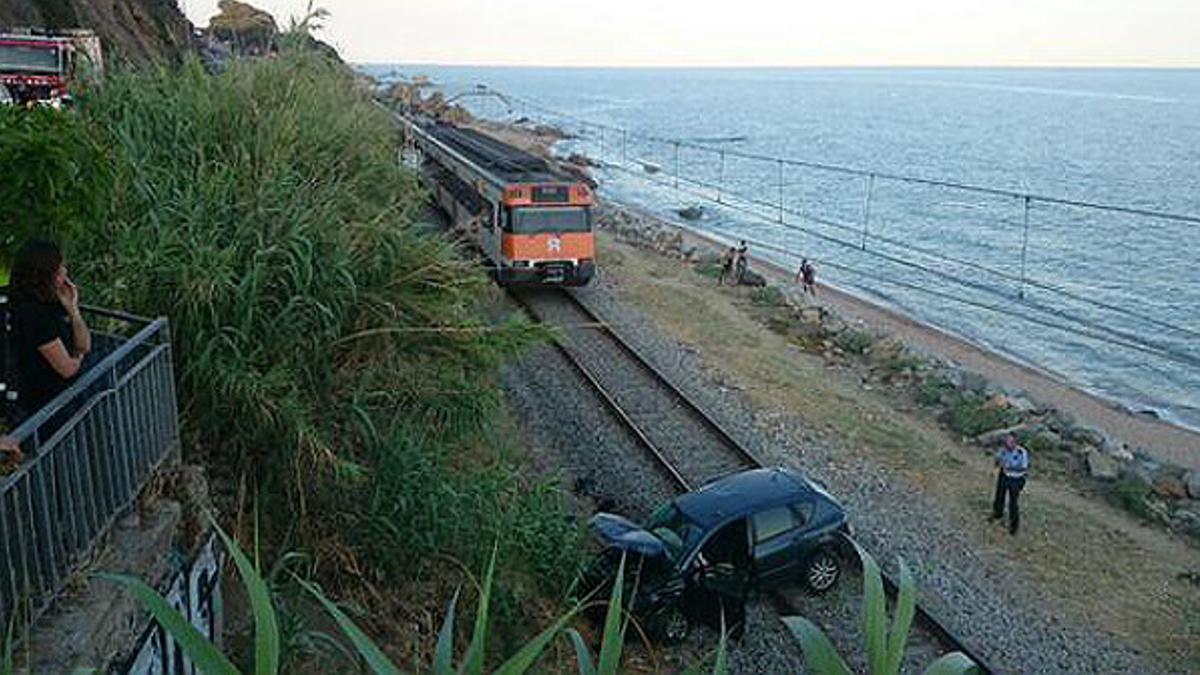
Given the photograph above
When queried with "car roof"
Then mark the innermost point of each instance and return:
(744, 493)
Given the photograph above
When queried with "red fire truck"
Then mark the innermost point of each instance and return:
(41, 68)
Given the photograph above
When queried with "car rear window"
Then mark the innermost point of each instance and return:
(772, 523)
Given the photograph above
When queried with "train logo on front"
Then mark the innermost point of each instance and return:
(554, 244)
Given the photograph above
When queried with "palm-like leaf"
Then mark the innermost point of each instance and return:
(443, 660)
(473, 665)
(583, 656)
(366, 647)
(266, 621)
(906, 606)
(199, 650)
(819, 653)
(614, 628)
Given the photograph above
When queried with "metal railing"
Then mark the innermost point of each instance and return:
(87, 454)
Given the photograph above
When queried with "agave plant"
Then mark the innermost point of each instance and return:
(884, 648)
(209, 659)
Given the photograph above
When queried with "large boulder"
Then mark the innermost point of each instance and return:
(972, 381)
(246, 28)
(1102, 467)
(752, 278)
(1192, 480)
(1085, 435)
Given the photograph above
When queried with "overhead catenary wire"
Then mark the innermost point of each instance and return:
(1023, 280)
(1067, 322)
(1082, 328)
(834, 168)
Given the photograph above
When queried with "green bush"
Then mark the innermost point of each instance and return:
(970, 416)
(1130, 492)
(854, 341)
(1041, 444)
(933, 390)
(55, 176)
(708, 268)
(767, 296)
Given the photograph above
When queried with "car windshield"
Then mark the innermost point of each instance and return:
(675, 530)
(542, 219)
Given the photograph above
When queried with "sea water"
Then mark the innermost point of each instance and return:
(1107, 300)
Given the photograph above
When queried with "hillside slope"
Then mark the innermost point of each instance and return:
(137, 31)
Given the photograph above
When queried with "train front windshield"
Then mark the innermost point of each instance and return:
(19, 58)
(539, 220)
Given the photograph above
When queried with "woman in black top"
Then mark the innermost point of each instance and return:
(51, 336)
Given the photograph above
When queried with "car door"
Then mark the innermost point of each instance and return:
(777, 534)
(725, 559)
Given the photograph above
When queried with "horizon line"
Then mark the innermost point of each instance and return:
(650, 66)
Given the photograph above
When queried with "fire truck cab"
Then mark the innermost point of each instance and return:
(39, 69)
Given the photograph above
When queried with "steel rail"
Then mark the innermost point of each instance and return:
(924, 618)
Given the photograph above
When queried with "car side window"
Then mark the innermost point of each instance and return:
(804, 512)
(772, 523)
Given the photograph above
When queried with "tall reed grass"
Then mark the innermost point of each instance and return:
(53, 177)
(332, 352)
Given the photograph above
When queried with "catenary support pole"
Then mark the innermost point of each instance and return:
(867, 208)
(676, 166)
(780, 190)
(1024, 245)
(721, 179)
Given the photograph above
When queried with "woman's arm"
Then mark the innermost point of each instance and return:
(68, 294)
(81, 333)
(55, 353)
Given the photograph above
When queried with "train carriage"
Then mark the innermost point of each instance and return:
(532, 224)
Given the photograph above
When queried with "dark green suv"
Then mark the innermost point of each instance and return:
(748, 531)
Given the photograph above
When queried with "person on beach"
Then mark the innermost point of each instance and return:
(807, 275)
(741, 263)
(1012, 462)
(52, 338)
(727, 266)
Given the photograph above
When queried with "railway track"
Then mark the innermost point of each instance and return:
(688, 445)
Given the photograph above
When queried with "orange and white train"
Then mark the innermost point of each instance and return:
(533, 224)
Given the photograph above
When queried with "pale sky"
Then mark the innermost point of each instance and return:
(755, 32)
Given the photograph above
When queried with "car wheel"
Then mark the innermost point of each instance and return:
(822, 570)
(671, 626)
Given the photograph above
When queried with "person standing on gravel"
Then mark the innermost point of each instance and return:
(1013, 463)
(727, 266)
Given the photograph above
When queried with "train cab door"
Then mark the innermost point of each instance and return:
(491, 233)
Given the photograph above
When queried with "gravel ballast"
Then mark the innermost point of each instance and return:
(984, 601)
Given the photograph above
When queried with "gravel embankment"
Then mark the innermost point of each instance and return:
(695, 451)
(985, 601)
(618, 480)
(575, 434)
